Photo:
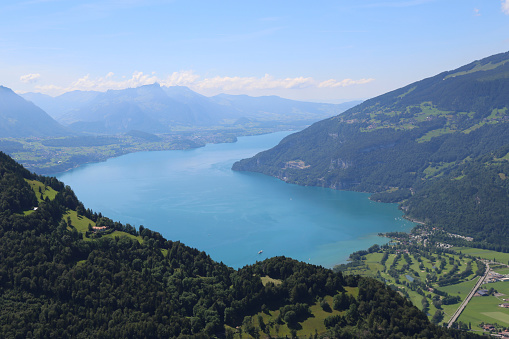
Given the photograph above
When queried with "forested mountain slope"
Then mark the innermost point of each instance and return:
(60, 278)
(443, 138)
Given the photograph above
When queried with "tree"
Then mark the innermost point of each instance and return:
(290, 319)
(437, 317)
(80, 210)
(341, 301)
(325, 305)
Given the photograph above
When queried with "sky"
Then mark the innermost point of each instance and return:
(323, 51)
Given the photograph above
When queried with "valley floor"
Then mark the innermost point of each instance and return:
(437, 278)
(47, 156)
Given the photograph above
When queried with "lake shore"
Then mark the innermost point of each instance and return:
(193, 196)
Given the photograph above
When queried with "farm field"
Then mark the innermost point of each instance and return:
(485, 254)
(486, 310)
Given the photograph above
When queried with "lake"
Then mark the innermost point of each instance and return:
(194, 196)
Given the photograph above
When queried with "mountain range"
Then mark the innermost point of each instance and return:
(159, 109)
(21, 118)
(439, 146)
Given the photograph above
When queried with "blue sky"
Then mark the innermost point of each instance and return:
(329, 51)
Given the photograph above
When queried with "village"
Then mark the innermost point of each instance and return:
(457, 286)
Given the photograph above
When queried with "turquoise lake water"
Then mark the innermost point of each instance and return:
(194, 196)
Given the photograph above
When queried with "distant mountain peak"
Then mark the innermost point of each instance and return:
(156, 109)
(22, 118)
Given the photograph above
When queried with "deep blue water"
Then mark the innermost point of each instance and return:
(194, 196)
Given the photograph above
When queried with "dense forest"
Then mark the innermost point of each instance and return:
(439, 145)
(57, 281)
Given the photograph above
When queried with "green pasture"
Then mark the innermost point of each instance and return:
(307, 327)
(79, 222)
(41, 192)
(373, 262)
(435, 133)
(316, 321)
(485, 254)
(354, 291)
(119, 234)
(432, 169)
(485, 309)
(462, 289)
(40, 189)
(500, 287)
(505, 157)
(501, 270)
(477, 68)
(319, 315)
(267, 279)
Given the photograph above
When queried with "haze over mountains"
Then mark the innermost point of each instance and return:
(442, 143)
(20, 118)
(158, 109)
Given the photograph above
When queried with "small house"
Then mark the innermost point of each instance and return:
(488, 327)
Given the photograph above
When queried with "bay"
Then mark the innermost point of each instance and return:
(194, 197)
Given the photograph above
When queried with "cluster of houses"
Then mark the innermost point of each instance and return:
(441, 245)
(423, 235)
(495, 277)
(504, 334)
(492, 328)
(452, 235)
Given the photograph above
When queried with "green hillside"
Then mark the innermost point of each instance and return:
(440, 145)
(61, 277)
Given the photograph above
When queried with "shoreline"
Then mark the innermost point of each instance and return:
(98, 154)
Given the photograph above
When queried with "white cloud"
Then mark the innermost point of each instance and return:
(183, 78)
(477, 12)
(101, 84)
(331, 83)
(30, 78)
(505, 6)
(194, 81)
(253, 83)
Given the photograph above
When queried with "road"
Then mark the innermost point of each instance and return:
(470, 295)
